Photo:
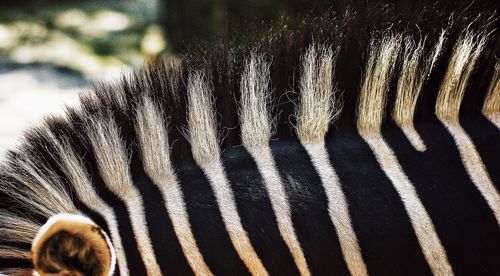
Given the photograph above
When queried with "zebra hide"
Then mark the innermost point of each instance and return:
(358, 142)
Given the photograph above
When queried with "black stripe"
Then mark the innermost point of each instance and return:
(311, 220)
(485, 136)
(130, 246)
(100, 221)
(206, 222)
(165, 243)
(257, 215)
(82, 207)
(94, 216)
(463, 220)
(16, 263)
(388, 242)
(6, 263)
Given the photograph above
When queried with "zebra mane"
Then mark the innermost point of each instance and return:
(295, 81)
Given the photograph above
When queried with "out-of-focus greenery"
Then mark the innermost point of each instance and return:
(98, 38)
(95, 38)
(189, 22)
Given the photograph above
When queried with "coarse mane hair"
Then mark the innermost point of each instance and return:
(418, 50)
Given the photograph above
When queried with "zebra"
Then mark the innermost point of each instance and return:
(260, 159)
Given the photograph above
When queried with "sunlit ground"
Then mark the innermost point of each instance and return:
(49, 53)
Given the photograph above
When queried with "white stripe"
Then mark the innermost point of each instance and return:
(495, 119)
(178, 214)
(139, 227)
(155, 151)
(337, 207)
(206, 151)
(79, 178)
(279, 202)
(98, 206)
(256, 130)
(428, 239)
(475, 166)
(414, 138)
(227, 206)
(465, 55)
(113, 164)
(491, 105)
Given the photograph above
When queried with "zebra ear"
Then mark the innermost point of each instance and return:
(71, 244)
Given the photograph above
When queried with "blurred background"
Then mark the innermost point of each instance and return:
(52, 50)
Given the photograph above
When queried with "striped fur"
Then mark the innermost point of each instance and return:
(492, 102)
(378, 75)
(203, 138)
(317, 108)
(155, 152)
(462, 62)
(113, 164)
(415, 70)
(256, 131)
(276, 158)
(74, 170)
